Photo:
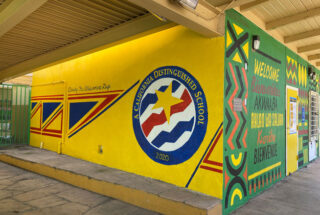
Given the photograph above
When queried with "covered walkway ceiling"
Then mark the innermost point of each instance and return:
(296, 23)
(34, 33)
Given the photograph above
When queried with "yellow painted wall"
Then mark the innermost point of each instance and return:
(118, 68)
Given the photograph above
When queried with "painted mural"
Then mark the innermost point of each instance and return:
(205, 114)
(254, 138)
(297, 76)
(170, 115)
(267, 111)
(153, 109)
(236, 116)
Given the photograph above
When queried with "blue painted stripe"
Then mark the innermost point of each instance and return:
(148, 99)
(163, 88)
(115, 101)
(194, 172)
(175, 134)
(175, 86)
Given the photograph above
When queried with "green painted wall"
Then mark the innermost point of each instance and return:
(266, 106)
(254, 135)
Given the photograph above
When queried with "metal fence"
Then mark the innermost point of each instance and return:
(14, 114)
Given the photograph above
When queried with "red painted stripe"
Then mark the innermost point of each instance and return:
(37, 129)
(53, 131)
(183, 105)
(46, 134)
(93, 97)
(88, 97)
(46, 96)
(158, 119)
(244, 138)
(51, 135)
(37, 99)
(36, 110)
(206, 159)
(215, 163)
(211, 169)
(302, 132)
(114, 91)
(153, 120)
(229, 141)
(108, 100)
(60, 112)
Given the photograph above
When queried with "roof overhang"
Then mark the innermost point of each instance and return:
(37, 33)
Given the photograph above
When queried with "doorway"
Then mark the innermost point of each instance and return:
(291, 130)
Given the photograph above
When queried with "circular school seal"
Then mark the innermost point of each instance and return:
(170, 115)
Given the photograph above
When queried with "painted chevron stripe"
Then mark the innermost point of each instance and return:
(244, 138)
(229, 85)
(240, 81)
(229, 120)
(292, 74)
(229, 141)
(244, 121)
(158, 119)
(291, 65)
(246, 96)
(154, 120)
(174, 120)
(174, 135)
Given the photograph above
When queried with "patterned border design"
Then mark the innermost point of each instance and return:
(235, 133)
(296, 75)
(257, 184)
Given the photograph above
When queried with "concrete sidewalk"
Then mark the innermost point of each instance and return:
(134, 189)
(298, 194)
(26, 193)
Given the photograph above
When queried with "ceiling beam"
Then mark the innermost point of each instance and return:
(231, 3)
(308, 48)
(4, 4)
(251, 5)
(292, 18)
(301, 36)
(318, 63)
(16, 11)
(129, 30)
(314, 57)
(205, 20)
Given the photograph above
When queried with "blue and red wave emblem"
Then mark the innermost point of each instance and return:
(170, 115)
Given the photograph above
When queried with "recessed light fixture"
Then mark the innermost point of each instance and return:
(192, 4)
(255, 42)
